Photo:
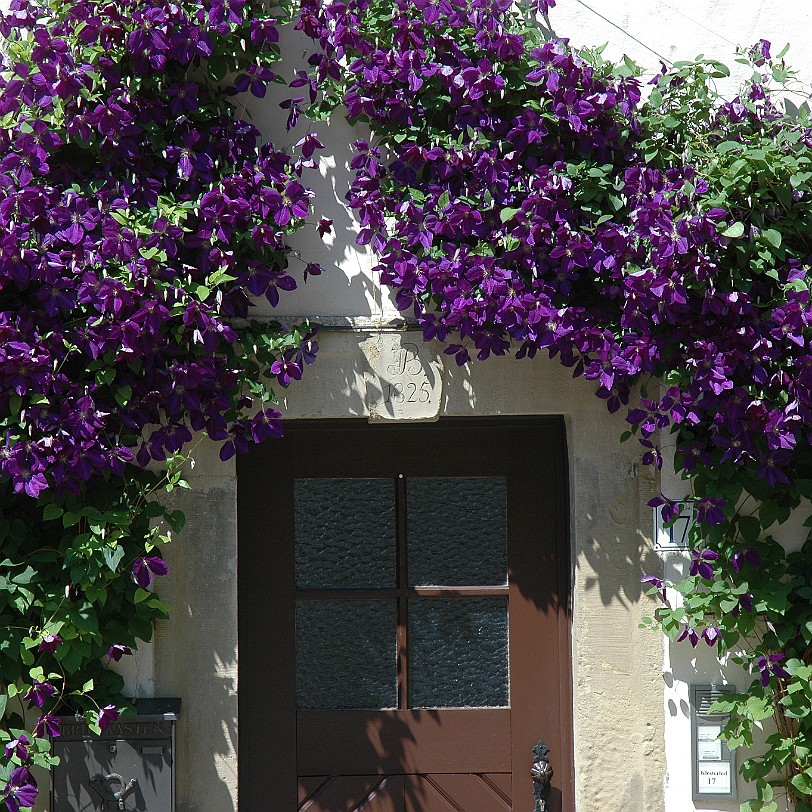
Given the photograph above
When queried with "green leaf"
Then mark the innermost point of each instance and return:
(176, 520)
(105, 376)
(113, 556)
(70, 657)
(773, 237)
(507, 214)
(728, 146)
(802, 783)
(70, 519)
(123, 395)
(734, 230)
(154, 509)
(25, 577)
(749, 527)
(51, 511)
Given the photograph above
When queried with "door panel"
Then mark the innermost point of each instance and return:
(410, 741)
(370, 793)
(427, 568)
(450, 793)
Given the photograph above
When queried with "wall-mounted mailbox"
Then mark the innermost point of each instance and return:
(129, 768)
(714, 764)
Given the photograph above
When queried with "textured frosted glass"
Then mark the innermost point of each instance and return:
(458, 653)
(346, 655)
(457, 531)
(344, 531)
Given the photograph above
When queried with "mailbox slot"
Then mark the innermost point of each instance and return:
(714, 764)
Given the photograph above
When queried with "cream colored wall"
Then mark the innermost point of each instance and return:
(195, 651)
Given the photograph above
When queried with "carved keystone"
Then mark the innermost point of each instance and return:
(404, 380)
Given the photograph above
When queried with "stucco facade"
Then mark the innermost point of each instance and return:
(630, 713)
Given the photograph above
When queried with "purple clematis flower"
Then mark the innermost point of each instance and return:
(711, 635)
(20, 790)
(655, 582)
(144, 568)
(49, 643)
(700, 563)
(690, 635)
(747, 555)
(117, 651)
(768, 667)
(39, 692)
(18, 747)
(107, 715)
(745, 603)
(710, 511)
(47, 725)
(285, 370)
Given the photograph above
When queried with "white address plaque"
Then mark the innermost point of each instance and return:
(714, 777)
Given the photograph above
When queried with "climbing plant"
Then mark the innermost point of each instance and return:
(522, 196)
(139, 213)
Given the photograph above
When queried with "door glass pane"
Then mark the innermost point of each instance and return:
(344, 533)
(346, 654)
(457, 530)
(458, 652)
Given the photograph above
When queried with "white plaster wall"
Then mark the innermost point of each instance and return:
(650, 30)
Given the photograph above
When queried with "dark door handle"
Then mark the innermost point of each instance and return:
(542, 774)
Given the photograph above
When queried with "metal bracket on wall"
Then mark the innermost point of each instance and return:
(542, 774)
(104, 786)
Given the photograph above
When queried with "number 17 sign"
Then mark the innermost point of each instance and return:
(674, 536)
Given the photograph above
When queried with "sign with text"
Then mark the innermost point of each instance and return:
(405, 378)
(714, 778)
(714, 763)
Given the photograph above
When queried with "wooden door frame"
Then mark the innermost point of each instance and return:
(267, 724)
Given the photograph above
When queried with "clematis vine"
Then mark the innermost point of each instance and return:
(141, 217)
(96, 272)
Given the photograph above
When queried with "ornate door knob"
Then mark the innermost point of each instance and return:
(542, 774)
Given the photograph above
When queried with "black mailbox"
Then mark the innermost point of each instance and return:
(129, 767)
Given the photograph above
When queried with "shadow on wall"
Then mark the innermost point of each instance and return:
(612, 497)
(346, 288)
(196, 655)
(609, 488)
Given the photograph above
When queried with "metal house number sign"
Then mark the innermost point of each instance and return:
(675, 536)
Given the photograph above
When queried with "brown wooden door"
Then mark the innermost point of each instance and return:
(404, 620)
